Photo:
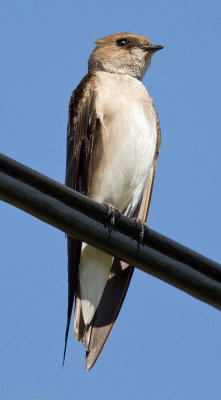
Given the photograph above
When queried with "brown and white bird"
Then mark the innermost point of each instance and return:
(113, 141)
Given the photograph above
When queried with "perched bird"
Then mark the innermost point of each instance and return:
(113, 141)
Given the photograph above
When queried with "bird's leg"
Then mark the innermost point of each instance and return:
(112, 213)
(142, 227)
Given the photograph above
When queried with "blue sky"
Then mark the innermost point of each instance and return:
(165, 344)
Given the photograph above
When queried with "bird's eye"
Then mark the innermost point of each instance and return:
(121, 42)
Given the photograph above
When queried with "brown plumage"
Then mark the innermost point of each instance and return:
(84, 138)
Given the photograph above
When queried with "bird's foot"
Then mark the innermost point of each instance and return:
(141, 227)
(112, 213)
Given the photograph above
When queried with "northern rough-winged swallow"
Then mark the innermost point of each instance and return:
(113, 141)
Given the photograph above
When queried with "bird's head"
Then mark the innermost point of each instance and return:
(123, 53)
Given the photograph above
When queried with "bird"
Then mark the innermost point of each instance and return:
(113, 142)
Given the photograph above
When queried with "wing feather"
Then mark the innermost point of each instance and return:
(81, 133)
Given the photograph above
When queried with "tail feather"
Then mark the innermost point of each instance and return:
(107, 312)
(110, 304)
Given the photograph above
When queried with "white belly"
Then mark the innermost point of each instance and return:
(122, 163)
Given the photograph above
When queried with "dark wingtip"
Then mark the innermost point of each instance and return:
(66, 340)
(72, 283)
(88, 363)
(70, 306)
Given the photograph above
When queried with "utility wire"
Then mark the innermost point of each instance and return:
(86, 220)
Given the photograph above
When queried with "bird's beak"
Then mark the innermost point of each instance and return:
(152, 47)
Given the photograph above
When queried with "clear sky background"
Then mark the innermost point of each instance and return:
(165, 344)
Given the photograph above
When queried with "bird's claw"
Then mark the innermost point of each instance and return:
(112, 213)
(142, 227)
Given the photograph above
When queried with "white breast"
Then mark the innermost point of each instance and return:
(129, 141)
